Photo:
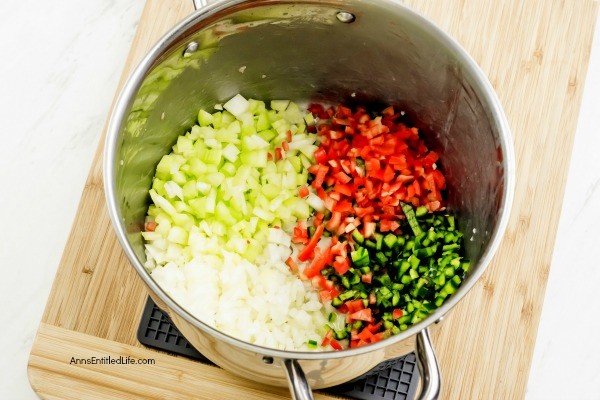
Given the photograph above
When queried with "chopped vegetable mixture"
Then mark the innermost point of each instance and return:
(296, 230)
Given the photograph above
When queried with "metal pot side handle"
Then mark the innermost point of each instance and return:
(428, 367)
(198, 4)
(297, 382)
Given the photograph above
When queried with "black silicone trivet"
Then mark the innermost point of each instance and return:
(394, 379)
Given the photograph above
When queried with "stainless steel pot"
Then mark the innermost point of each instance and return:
(350, 51)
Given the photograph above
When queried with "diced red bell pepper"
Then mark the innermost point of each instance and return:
(430, 159)
(341, 188)
(378, 337)
(341, 265)
(329, 294)
(354, 305)
(335, 344)
(300, 233)
(362, 211)
(327, 338)
(374, 327)
(307, 252)
(321, 193)
(279, 154)
(334, 221)
(321, 156)
(303, 192)
(318, 263)
(342, 177)
(343, 112)
(343, 207)
(385, 225)
(320, 176)
(367, 278)
(388, 174)
(362, 315)
(365, 335)
(439, 179)
(357, 343)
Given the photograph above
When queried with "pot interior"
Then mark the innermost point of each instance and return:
(307, 51)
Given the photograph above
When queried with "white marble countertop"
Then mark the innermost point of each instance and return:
(61, 61)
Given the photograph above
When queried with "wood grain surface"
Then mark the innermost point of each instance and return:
(535, 53)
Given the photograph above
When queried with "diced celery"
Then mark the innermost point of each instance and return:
(205, 118)
(178, 235)
(306, 161)
(308, 150)
(198, 207)
(281, 126)
(309, 119)
(162, 203)
(205, 132)
(279, 105)
(218, 228)
(223, 214)
(164, 227)
(179, 177)
(252, 251)
(256, 106)
(263, 214)
(181, 207)
(158, 185)
(231, 152)
(168, 165)
(267, 134)
(256, 158)
(255, 142)
(233, 129)
(215, 179)
(262, 122)
(237, 105)
(223, 190)
(184, 221)
(217, 119)
(172, 190)
(293, 114)
(296, 163)
(211, 201)
(227, 118)
(190, 190)
(184, 146)
(270, 190)
(213, 156)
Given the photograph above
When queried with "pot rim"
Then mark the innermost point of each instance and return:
(133, 84)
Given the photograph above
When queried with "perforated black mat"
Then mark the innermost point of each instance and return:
(394, 379)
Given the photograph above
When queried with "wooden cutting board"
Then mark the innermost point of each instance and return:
(535, 53)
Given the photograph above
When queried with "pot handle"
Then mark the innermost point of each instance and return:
(198, 4)
(428, 367)
(299, 387)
